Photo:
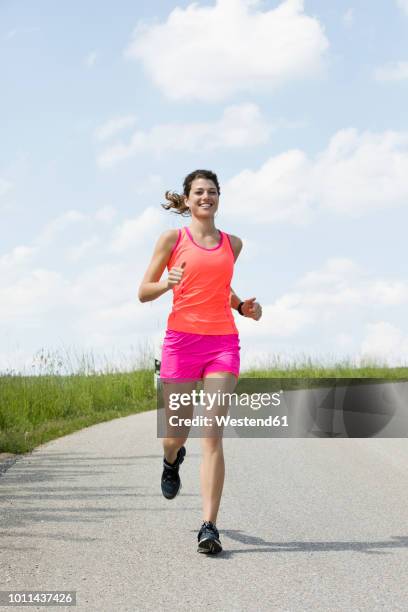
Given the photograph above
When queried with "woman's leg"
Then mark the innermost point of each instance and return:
(212, 468)
(176, 436)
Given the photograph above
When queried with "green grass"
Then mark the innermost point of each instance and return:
(306, 373)
(306, 367)
(345, 371)
(36, 409)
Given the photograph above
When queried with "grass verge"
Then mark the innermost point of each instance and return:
(36, 409)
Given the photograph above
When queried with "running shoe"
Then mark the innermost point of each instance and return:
(209, 539)
(170, 480)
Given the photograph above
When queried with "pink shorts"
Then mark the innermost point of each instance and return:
(188, 357)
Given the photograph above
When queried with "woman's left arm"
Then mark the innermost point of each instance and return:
(250, 308)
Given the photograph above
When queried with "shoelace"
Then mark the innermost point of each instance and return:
(210, 527)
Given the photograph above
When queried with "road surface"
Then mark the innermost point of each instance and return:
(306, 524)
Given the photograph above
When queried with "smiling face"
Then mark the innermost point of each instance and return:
(203, 198)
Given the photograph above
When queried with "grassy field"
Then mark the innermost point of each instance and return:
(36, 409)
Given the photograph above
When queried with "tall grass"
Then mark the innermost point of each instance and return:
(329, 367)
(65, 396)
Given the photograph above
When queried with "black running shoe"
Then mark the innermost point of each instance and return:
(170, 480)
(209, 539)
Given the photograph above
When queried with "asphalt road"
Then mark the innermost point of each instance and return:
(306, 524)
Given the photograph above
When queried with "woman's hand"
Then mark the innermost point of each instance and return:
(252, 309)
(175, 275)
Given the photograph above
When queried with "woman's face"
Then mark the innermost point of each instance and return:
(203, 198)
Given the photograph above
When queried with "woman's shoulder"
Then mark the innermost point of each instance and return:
(169, 234)
(236, 244)
(235, 241)
(168, 239)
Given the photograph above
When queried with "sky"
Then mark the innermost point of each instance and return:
(300, 109)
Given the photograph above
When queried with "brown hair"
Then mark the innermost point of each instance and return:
(176, 201)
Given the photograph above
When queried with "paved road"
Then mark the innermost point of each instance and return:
(306, 524)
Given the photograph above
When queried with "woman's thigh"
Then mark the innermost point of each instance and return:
(217, 387)
(178, 403)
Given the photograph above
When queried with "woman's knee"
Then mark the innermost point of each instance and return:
(211, 445)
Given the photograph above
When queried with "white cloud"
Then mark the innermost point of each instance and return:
(5, 187)
(212, 52)
(283, 319)
(114, 126)
(78, 252)
(62, 225)
(366, 171)
(355, 174)
(132, 232)
(388, 293)
(19, 255)
(348, 17)
(117, 318)
(343, 340)
(325, 299)
(92, 305)
(13, 264)
(103, 285)
(239, 126)
(277, 191)
(335, 270)
(149, 185)
(385, 342)
(59, 225)
(96, 304)
(24, 259)
(32, 296)
(105, 310)
(395, 71)
(403, 4)
(341, 282)
(105, 214)
(90, 59)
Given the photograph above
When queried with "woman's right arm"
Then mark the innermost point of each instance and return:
(151, 286)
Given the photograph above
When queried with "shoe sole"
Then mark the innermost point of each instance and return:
(209, 547)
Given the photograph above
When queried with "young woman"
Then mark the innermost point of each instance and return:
(201, 341)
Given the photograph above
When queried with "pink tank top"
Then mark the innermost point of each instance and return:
(201, 302)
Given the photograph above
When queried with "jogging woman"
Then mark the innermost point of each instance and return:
(201, 341)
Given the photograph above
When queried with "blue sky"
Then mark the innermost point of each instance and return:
(300, 108)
